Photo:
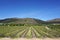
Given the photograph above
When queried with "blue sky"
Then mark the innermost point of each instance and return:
(40, 9)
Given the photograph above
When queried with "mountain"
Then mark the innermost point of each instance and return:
(29, 21)
(22, 21)
(56, 20)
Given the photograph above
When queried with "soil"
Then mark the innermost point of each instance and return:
(30, 39)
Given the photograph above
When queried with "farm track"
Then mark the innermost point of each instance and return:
(14, 33)
(29, 33)
(36, 33)
(43, 33)
(24, 33)
(19, 32)
(33, 34)
(55, 32)
(12, 30)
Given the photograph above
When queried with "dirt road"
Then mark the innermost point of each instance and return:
(30, 39)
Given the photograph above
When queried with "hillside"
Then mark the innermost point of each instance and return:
(22, 21)
(28, 21)
(56, 20)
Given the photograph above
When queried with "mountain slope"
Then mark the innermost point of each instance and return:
(28, 21)
(57, 20)
(22, 21)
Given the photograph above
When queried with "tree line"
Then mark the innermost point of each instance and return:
(11, 24)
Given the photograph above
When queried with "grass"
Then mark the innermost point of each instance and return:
(39, 31)
(29, 33)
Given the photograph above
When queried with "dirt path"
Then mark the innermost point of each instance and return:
(36, 33)
(23, 35)
(30, 39)
(16, 32)
(33, 34)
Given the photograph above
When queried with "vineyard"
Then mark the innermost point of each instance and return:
(51, 31)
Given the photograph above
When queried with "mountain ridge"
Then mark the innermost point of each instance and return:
(22, 21)
(56, 20)
(28, 20)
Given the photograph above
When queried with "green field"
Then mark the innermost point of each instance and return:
(51, 31)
